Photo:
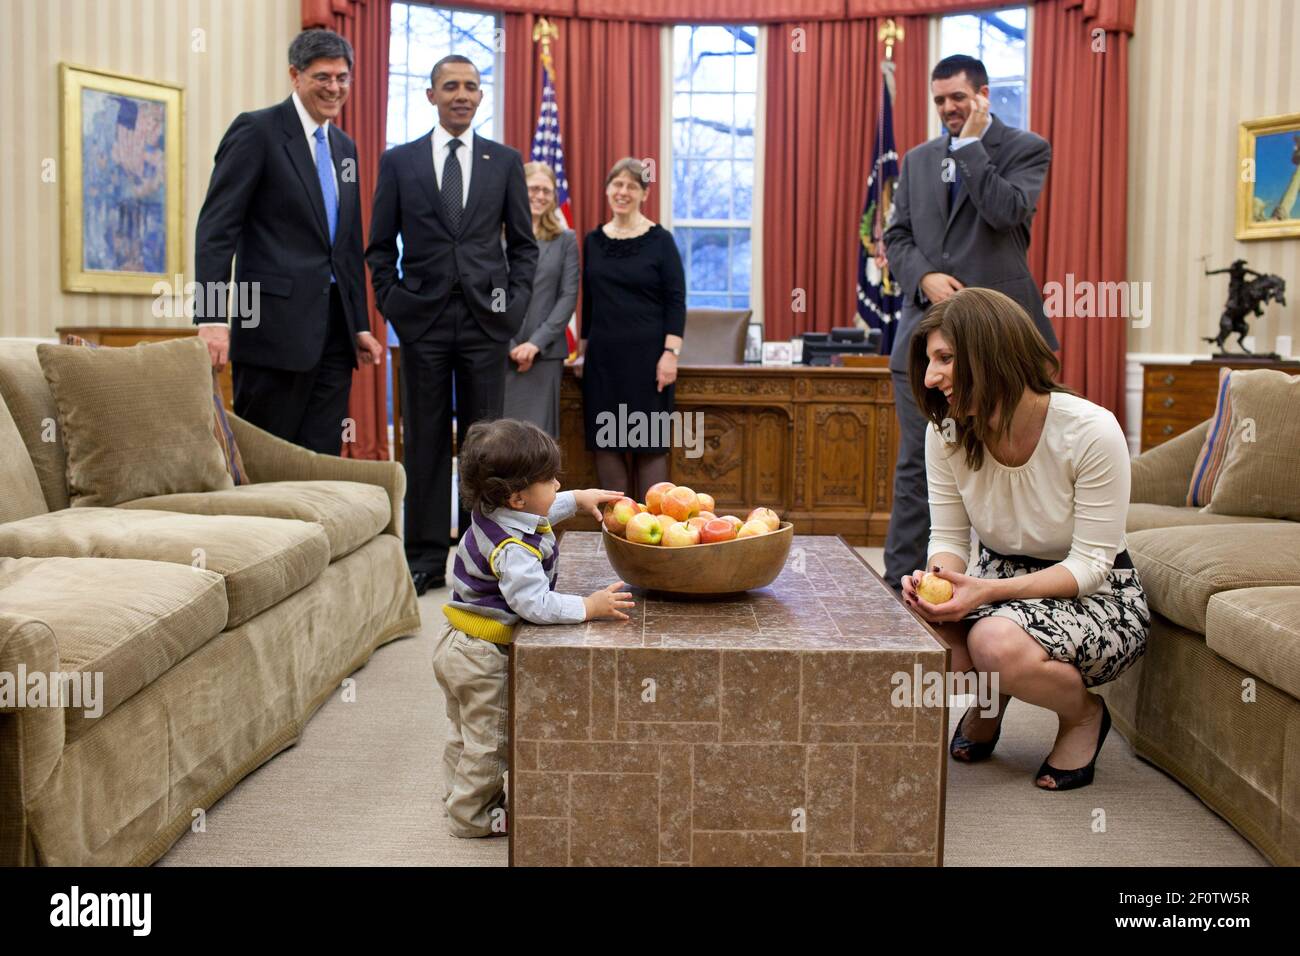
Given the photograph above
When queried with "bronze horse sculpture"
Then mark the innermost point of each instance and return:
(1246, 298)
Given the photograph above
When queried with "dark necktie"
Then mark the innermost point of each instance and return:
(452, 187)
(954, 185)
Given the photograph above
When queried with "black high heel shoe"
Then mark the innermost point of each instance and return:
(969, 751)
(1074, 779)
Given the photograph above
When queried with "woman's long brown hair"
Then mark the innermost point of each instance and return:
(997, 353)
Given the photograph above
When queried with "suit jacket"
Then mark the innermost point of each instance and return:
(265, 207)
(407, 201)
(555, 294)
(984, 238)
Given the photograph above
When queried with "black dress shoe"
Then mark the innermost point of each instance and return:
(427, 579)
(1073, 779)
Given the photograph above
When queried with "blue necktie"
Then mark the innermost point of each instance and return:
(954, 185)
(325, 173)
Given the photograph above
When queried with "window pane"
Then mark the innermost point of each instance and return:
(742, 190)
(742, 265)
(703, 179)
(710, 125)
(747, 60)
(746, 111)
(996, 37)
(709, 260)
(397, 38)
(681, 192)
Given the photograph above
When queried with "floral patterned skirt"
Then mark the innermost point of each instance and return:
(1100, 634)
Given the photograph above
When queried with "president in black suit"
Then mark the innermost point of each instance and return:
(961, 218)
(284, 202)
(460, 205)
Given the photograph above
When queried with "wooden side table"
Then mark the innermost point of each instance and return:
(1176, 397)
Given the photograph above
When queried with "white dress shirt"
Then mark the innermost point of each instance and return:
(464, 155)
(957, 142)
(1067, 503)
(524, 583)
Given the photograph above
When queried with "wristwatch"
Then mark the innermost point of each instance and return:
(675, 351)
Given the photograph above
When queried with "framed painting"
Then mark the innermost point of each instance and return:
(1268, 202)
(122, 189)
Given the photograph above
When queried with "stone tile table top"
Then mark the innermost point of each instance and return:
(782, 726)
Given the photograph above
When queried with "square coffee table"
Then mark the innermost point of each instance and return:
(782, 726)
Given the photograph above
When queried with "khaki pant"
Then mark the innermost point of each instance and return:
(473, 675)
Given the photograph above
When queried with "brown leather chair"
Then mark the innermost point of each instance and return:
(715, 336)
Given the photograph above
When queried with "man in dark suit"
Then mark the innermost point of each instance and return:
(452, 196)
(284, 201)
(961, 218)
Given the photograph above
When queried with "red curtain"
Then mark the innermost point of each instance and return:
(1079, 103)
(823, 94)
(721, 11)
(366, 25)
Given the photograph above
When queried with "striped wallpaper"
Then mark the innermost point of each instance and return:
(1197, 69)
(244, 67)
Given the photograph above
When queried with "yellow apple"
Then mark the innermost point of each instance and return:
(934, 589)
(767, 516)
(679, 534)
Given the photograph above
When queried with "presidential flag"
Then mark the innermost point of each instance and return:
(549, 149)
(880, 299)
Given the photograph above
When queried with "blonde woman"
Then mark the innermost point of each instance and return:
(633, 319)
(538, 349)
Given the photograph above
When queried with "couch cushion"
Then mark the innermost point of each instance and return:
(1210, 461)
(1143, 515)
(25, 391)
(263, 560)
(350, 512)
(136, 421)
(127, 620)
(20, 489)
(1261, 469)
(1182, 568)
(1258, 629)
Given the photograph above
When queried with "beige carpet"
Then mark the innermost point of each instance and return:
(361, 789)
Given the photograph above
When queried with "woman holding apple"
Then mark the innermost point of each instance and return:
(633, 318)
(1053, 604)
(538, 349)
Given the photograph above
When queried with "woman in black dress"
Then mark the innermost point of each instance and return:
(633, 318)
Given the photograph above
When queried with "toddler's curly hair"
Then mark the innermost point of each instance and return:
(503, 456)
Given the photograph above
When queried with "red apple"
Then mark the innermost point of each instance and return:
(645, 528)
(733, 521)
(680, 535)
(706, 502)
(719, 529)
(706, 515)
(698, 522)
(654, 496)
(767, 516)
(751, 529)
(680, 503)
(618, 514)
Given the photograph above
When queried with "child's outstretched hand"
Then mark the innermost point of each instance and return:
(606, 603)
(590, 500)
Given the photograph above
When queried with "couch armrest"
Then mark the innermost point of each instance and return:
(31, 738)
(267, 458)
(1162, 474)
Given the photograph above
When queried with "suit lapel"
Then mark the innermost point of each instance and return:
(295, 144)
(991, 141)
(346, 185)
(479, 169)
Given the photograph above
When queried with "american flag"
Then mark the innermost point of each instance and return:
(880, 299)
(549, 149)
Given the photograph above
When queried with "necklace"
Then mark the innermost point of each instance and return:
(615, 232)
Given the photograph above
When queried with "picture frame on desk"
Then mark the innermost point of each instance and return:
(777, 353)
(754, 343)
(1268, 181)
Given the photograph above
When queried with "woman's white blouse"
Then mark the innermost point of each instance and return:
(1067, 503)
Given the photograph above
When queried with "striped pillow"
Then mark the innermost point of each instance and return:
(221, 424)
(1210, 461)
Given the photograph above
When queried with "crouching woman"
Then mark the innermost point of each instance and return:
(1052, 605)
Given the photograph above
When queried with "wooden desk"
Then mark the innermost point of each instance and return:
(125, 337)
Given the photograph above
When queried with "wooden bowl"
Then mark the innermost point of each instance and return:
(723, 567)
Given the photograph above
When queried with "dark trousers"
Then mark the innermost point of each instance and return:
(306, 408)
(909, 521)
(454, 348)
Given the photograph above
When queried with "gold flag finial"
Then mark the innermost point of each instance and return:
(544, 32)
(891, 33)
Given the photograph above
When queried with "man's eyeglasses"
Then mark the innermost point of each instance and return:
(344, 80)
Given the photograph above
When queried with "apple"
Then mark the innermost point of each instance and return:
(642, 508)
(618, 514)
(698, 522)
(680, 503)
(733, 521)
(706, 502)
(706, 515)
(767, 516)
(679, 534)
(934, 589)
(655, 494)
(645, 528)
(752, 529)
(719, 529)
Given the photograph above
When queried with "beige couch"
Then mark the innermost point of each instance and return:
(1214, 701)
(219, 622)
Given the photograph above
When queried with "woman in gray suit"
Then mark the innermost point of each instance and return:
(539, 349)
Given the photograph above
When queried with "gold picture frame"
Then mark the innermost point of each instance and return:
(121, 145)
(1268, 179)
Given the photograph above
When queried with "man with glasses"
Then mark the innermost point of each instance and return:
(284, 202)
